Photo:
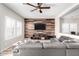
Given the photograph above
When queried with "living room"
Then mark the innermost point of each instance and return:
(39, 27)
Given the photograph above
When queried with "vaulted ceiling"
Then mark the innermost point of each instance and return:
(25, 10)
(73, 14)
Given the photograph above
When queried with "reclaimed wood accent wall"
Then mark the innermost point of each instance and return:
(29, 27)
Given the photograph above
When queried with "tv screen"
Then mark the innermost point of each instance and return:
(40, 26)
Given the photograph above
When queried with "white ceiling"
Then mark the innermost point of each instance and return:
(24, 10)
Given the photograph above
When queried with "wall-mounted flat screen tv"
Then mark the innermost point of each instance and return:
(40, 26)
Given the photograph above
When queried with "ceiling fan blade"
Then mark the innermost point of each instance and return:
(33, 10)
(31, 5)
(44, 7)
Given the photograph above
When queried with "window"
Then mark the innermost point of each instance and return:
(69, 27)
(13, 28)
(19, 28)
(73, 27)
(65, 28)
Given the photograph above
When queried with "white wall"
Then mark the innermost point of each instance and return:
(4, 11)
(1, 30)
(57, 27)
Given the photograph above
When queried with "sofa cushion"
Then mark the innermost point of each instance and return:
(31, 45)
(54, 40)
(54, 45)
(69, 41)
(76, 40)
(72, 45)
(62, 38)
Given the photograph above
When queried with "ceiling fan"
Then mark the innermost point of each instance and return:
(38, 7)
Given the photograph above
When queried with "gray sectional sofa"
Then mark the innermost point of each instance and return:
(61, 47)
(38, 50)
